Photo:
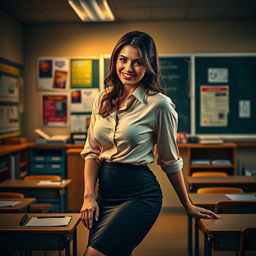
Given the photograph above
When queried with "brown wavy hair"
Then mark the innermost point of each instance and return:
(151, 80)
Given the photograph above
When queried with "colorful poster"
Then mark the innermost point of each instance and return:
(81, 73)
(55, 109)
(53, 74)
(214, 106)
(82, 99)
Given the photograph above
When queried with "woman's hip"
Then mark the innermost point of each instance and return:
(118, 181)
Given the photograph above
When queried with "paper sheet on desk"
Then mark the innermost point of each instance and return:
(238, 197)
(49, 182)
(8, 203)
(48, 221)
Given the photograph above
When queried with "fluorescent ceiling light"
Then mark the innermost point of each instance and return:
(92, 10)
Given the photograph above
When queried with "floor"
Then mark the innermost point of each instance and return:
(168, 237)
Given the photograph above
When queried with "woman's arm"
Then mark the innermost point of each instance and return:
(178, 183)
(90, 207)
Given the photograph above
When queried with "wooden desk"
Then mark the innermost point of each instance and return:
(207, 201)
(21, 207)
(247, 183)
(30, 188)
(16, 237)
(224, 234)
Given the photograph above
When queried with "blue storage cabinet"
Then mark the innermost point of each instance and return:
(49, 161)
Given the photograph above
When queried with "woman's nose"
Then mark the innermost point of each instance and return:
(129, 67)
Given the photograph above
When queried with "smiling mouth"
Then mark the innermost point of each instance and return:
(128, 76)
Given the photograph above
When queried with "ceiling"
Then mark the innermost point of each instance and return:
(59, 11)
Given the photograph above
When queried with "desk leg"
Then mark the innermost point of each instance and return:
(75, 243)
(190, 236)
(67, 246)
(196, 237)
(207, 245)
(61, 200)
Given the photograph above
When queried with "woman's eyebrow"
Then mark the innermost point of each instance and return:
(127, 57)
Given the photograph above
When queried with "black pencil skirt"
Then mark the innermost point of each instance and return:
(130, 200)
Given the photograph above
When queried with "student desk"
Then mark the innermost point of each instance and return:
(247, 183)
(21, 207)
(207, 201)
(30, 188)
(224, 234)
(13, 236)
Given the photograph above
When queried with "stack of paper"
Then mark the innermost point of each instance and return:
(221, 162)
(52, 221)
(200, 162)
(8, 203)
(239, 197)
(210, 139)
(50, 182)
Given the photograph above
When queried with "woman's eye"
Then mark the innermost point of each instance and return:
(138, 62)
(123, 60)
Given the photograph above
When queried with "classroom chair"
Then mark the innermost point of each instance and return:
(227, 190)
(11, 195)
(247, 240)
(42, 207)
(235, 207)
(214, 174)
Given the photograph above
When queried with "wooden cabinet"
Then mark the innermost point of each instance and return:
(75, 169)
(14, 161)
(212, 158)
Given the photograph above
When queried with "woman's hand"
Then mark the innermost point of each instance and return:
(200, 212)
(89, 210)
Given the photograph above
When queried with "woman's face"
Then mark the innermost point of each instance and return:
(129, 66)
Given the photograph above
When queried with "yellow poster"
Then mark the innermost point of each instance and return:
(81, 73)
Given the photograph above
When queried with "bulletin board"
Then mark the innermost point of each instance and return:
(237, 74)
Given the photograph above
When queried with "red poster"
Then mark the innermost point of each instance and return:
(55, 109)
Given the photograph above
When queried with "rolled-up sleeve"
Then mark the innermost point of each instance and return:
(166, 133)
(91, 147)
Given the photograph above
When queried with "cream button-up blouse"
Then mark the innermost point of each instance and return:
(130, 134)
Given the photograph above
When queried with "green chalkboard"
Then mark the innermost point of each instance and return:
(176, 80)
(237, 73)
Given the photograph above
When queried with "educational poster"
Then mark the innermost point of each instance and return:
(55, 110)
(80, 123)
(81, 73)
(217, 75)
(214, 106)
(9, 121)
(11, 102)
(53, 74)
(9, 88)
(82, 99)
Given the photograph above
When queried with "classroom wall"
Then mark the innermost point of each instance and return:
(11, 39)
(76, 40)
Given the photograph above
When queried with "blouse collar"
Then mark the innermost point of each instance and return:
(139, 93)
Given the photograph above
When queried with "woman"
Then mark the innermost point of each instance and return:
(129, 118)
